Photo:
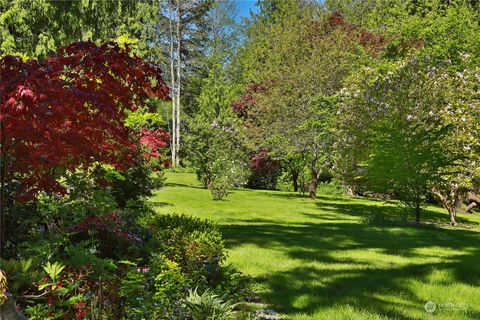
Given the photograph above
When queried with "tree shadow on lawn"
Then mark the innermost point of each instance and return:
(325, 279)
(174, 184)
(385, 292)
(382, 213)
(383, 210)
(161, 204)
(284, 195)
(288, 195)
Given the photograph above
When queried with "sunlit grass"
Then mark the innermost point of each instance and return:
(321, 259)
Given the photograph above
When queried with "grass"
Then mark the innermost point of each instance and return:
(323, 259)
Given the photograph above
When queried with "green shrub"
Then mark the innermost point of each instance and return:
(219, 188)
(58, 289)
(137, 298)
(170, 284)
(232, 283)
(21, 274)
(332, 188)
(226, 173)
(132, 184)
(195, 244)
(217, 153)
(154, 291)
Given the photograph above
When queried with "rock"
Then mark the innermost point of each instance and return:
(267, 314)
(470, 207)
(8, 310)
(473, 197)
(255, 299)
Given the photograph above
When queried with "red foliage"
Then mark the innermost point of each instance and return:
(372, 42)
(82, 310)
(68, 110)
(153, 141)
(262, 161)
(111, 223)
(336, 19)
(246, 103)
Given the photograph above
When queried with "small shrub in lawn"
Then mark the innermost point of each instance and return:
(226, 174)
(264, 171)
(219, 188)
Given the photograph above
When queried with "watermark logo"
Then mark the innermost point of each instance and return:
(430, 306)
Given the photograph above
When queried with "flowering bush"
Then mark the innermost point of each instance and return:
(410, 129)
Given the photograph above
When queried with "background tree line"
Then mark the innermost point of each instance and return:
(379, 96)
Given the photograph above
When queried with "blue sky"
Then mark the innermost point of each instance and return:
(244, 7)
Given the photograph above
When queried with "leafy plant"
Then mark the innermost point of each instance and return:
(82, 256)
(209, 306)
(331, 188)
(62, 298)
(20, 274)
(217, 155)
(219, 188)
(188, 241)
(137, 297)
(153, 292)
(231, 282)
(53, 270)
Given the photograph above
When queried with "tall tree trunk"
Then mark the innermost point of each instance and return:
(295, 175)
(173, 144)
(417, 213)
(179, 80)
(450, 204)
(313, 183)
(453, 216)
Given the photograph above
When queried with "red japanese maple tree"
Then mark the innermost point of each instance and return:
(69, 110)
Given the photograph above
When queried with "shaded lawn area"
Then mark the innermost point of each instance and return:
(340, 258)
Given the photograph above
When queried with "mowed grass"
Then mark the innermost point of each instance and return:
(320, 259)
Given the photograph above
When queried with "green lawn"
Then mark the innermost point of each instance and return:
(322, 260)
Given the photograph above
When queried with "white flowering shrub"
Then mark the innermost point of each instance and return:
(407, 129)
